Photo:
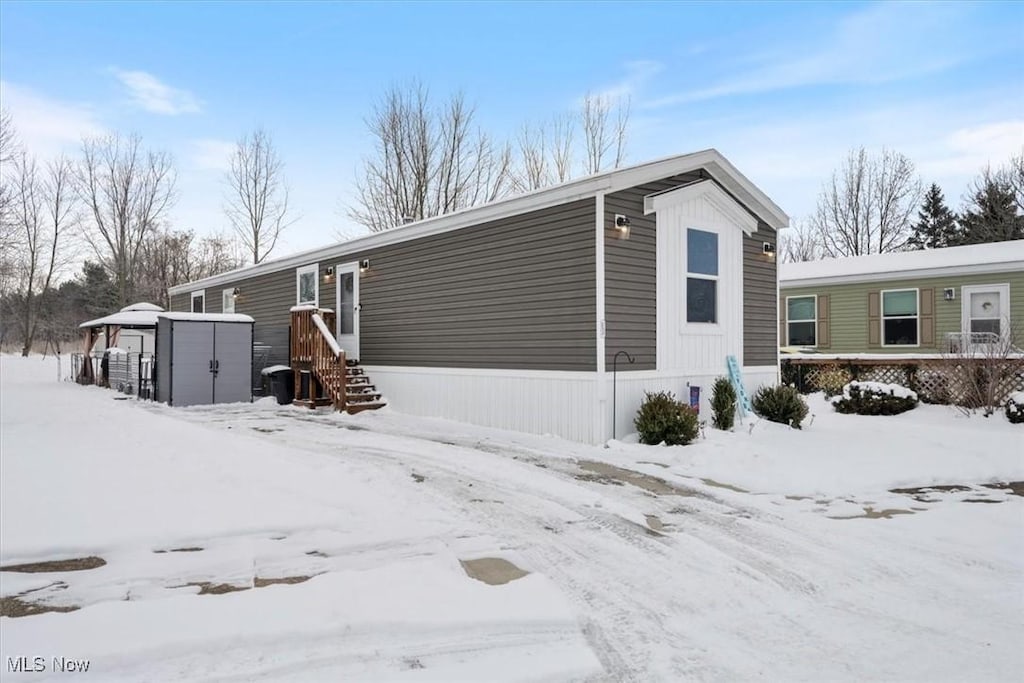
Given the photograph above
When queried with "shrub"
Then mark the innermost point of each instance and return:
(875, 398)
(723, 404)
(662, 418)
(780, 404)
(1015, 408)
(831, 379)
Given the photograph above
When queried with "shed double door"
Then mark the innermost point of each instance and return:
(212, 363)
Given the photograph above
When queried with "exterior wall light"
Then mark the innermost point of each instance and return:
(622, 226)
(235, 292)
(328, 273)
(948, 293)
(768, 249)
(364, 265)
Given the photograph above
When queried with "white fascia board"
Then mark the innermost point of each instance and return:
(947, 271)
(709, 190)
(609, 181)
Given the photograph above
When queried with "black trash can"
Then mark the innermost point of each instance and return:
(282, 385)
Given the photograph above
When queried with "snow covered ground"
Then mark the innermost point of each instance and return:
(259, 542)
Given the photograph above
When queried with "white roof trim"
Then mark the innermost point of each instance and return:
(713, 163)
(709, 190)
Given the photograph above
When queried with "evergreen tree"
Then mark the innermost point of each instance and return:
(936, 225)
(992, 215)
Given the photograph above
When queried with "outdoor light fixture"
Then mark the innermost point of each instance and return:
(949, 293)
(768, 249)
(364, 265)
(328, 272)
(622, 226)
(235, 292)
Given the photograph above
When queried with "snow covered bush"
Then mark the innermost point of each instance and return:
(1015, 408)
(723, 404)
(662, 418)
(780, 404)
(875, 398)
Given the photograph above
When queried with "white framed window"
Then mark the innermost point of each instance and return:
(701, 276)
(227, 298)
(307, 285)
(199, 301)
(901, 323)
(802, 320)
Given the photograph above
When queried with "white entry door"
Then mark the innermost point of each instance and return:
(347, 309)
(985, 312)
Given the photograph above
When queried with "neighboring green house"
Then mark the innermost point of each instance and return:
(918, 302)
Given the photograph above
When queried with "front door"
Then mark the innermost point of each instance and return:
(985, 311)
(347, 308)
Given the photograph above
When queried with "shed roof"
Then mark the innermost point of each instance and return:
(974, 258)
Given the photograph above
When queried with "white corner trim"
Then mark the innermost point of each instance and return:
(601, 322)
(709, 190)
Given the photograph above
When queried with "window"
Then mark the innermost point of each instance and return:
(802, 320)
(199, 301)
(986, 312)
(227, 299)
(306, 286)
(899, 318)
(701, 276)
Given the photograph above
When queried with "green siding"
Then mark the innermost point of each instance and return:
(849, 308)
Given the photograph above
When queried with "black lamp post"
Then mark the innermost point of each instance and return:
(615, 369)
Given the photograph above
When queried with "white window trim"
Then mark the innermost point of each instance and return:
(225, 296)
(299, 272)
(192, 300)
(789, 342)
(882, 317)
(698, 327)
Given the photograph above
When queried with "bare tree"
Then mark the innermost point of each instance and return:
(257, 195)
(604, 137)
(545, 154)
(426, 162)
(126, 190)
(44, 211)
(868, 205)
(799, 243)
(172, 257)
(9, 148)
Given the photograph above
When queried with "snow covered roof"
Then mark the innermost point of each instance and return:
(710, 161)
(975, 258)
(141, 306)
(209, 317)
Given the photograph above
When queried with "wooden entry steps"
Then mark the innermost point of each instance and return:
(360, 394)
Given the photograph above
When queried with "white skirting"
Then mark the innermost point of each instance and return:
(573, 405)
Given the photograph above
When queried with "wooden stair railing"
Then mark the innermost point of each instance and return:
(328, 363)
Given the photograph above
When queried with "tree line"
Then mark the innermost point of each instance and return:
(876, 203)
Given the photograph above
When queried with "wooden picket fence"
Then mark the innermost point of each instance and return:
(946, 380)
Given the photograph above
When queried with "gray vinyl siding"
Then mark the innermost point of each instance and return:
(517, 293)
(631, 275)
(760, 302)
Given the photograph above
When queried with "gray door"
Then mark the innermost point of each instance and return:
(192, 382)
(233, 358)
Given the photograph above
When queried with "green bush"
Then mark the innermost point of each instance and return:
(780, 404)
(723, 404)
(875, 398)
(662, 418)
(1015, 408)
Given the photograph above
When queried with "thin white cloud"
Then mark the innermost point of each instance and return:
(883, 43)
(209, 154)
(151, 94)
(47, 126)
(966, 151)
(638, 74)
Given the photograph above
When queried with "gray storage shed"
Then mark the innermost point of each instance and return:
(203, 358)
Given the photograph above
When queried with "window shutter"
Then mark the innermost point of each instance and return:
(824, 337)
(927, 314)
(874, 319)
(783, 330)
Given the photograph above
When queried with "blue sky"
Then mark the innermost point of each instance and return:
(784, 90)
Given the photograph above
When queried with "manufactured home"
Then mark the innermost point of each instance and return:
(916, 302)
(521, 313)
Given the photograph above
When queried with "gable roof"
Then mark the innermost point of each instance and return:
(710, 160)
(974, 258)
